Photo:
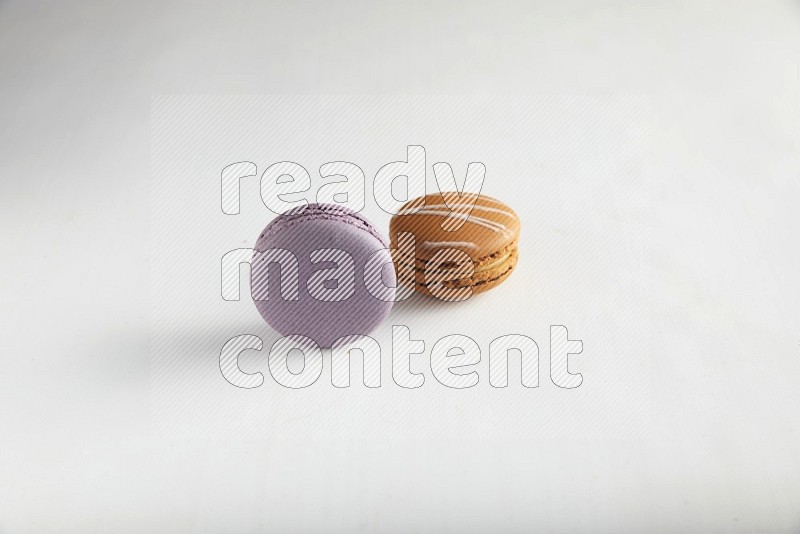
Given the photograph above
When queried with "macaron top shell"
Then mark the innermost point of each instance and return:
(331, 212)
(303, 231)
(489, 228)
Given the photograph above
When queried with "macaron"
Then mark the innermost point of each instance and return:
(485, 231)
(324, 272)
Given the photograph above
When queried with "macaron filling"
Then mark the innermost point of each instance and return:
(481, 266)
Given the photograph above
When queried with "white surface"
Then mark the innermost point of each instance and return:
(83, 449)
(574, 168)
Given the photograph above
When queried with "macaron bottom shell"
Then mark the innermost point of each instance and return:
(489, 272)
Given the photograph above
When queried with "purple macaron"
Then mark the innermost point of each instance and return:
(324, 272)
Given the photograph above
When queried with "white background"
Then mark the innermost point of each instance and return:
(574, 169)
(705, 439)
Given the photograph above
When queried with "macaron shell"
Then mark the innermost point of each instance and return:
(490, 227)
(321, 211)
(323, 321)
(481, 281)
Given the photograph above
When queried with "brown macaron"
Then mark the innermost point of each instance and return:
(460, 241)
